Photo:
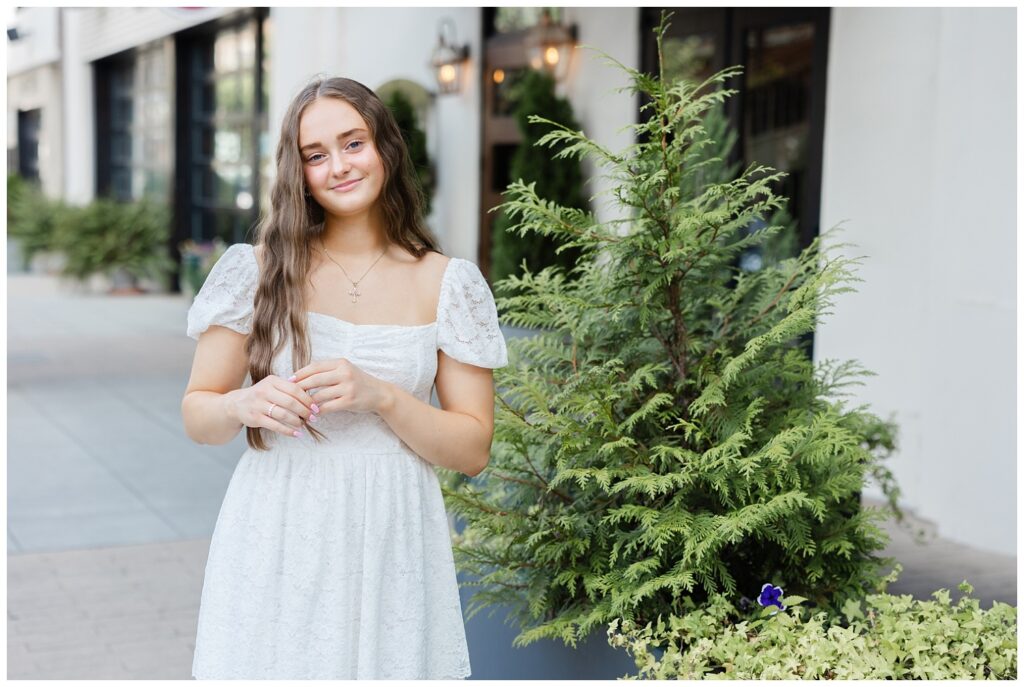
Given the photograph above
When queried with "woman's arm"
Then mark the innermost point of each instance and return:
(457, 437)
(218, 369)
(215, 407)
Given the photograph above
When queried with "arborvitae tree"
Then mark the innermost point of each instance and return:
(665, 437)
(416, 140)
(721, 140)
(559, 180)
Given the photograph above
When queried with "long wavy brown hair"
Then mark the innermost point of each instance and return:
(295, 220)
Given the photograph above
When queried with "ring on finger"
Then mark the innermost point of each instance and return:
(270, 410)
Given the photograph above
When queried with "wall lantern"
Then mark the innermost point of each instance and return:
(448, 59)
(549, 45)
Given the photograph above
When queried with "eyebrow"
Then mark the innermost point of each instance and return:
(314, 144)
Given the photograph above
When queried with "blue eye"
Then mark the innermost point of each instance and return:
(310, 159)
(355, 143)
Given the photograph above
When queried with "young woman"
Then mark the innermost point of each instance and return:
(331, 556)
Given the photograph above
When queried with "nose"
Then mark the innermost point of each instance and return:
(339, 165)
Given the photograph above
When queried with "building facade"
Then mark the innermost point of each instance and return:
(866, 109)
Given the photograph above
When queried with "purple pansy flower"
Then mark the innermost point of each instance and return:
(771, 596)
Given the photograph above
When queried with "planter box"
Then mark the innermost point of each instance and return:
(47, 262)
(492, 656)
(16, 263)
(489, 636)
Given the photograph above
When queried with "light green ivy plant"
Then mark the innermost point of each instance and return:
(894, 637)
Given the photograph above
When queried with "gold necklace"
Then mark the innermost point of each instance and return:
(355, 284)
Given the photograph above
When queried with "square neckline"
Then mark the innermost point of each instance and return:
(359, 324)
(444, 277)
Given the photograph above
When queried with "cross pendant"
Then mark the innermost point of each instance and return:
(354, 293)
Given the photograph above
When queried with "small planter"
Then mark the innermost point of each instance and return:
(117, 240)
(493, 657)
(16, 261)
(48, 262)
(197, 259)
(123, 282)
(191, 274)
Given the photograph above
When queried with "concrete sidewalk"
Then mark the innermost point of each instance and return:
(131, 611)
(111, 507)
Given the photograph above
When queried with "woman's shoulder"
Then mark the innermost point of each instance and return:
(235, 269)
(226, 297)
(435, 261)
(257, 253)
(236, 256)
(426, 268)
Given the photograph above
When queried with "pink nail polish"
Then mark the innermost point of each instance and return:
(295, 434)
(316, 408)
(293, 378)
(312, 418)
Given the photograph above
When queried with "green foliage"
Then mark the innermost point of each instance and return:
(17, 186)
(197, 259)
(889, 638)
(665, 437)
(416, 140)
(106, 235)
(559, 180)
(720, 139)
(32, 217)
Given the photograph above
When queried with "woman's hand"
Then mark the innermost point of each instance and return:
(342, 386)
(291, 405)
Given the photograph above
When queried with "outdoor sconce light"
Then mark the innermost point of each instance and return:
(549, 46)
(447, 60)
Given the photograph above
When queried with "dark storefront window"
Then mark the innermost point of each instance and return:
(505, 62)
(513, 19)
(28, 143)
(224, 152)
(134, 108)
(778, 112)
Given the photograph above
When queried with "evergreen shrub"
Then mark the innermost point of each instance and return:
(107, 235)
(32, 217)
(664, 437)
(416, 141)
(559, 180)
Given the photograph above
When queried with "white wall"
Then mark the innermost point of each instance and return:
(39, 42)
(80, 130)
(34, 82)
(107, 31)
(920, 140)
(591, 88)
(374, 46)
(39, 88)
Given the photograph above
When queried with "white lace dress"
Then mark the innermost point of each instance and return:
(333, 560)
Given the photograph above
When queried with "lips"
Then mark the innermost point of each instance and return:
(346, 186)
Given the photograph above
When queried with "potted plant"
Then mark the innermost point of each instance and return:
(665, 437)
(197, 259)
(416, 141)
(557, 178)
(32, 219)
(123, 241)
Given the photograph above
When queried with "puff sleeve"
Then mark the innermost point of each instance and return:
(226, 298)
(467, 318)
